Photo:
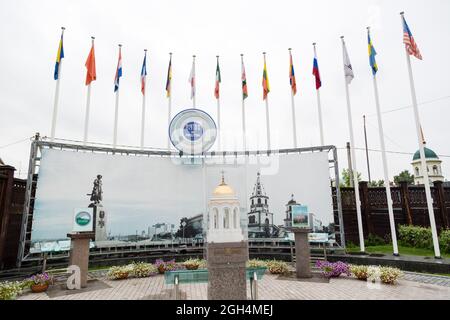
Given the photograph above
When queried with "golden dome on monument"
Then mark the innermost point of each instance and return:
(223, 189)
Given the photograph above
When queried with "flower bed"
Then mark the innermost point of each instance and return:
(277, 267)
(387, 275)
(164, 266)
(194, 264)
(333, 269)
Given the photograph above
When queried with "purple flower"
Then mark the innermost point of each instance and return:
(333, 269)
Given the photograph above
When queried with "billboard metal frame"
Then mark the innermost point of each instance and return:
(60, 144)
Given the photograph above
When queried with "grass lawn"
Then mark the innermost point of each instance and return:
(407, 251)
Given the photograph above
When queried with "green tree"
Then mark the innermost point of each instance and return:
(404, 176)
(345, 182)
(375, 183)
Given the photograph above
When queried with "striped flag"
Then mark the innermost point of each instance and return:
(218, 80)
(265, 81)
(59, 56)
(408, 40)
(192, 79)
(118, 71)
(144, 74)
(348, 70)
(169, 78)
(292, 75)
(91, 74)
(244, 81)
(316, 73)
(372, 54)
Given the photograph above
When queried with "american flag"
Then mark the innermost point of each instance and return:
(408, 40)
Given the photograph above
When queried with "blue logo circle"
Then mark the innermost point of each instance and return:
(193, 131)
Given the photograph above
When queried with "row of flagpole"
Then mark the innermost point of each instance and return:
(410, 49)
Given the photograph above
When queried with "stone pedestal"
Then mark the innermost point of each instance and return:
(79, 253)
(227, 270)
(302, 252)
(100, 221)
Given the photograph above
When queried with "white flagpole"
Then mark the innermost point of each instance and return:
(116, 113)
(244, 140)
(426, 181)
(354, 170)
(88, 104)
(55, 103)
(195, 84)
(218, 115)
(267, 113)
(319, 106)
(385, 166)
(143, 106)
(294, 125)
(169, 102)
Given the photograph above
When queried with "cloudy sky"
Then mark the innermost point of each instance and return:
(31, 29)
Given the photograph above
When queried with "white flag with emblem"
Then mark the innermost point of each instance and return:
(348, 70)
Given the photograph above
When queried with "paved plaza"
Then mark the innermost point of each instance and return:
(271, 287)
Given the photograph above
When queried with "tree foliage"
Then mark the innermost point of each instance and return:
(345, 182)
(404, 176)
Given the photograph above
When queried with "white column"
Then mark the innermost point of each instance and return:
(426, 181)
(218, 126)
(267, 122)
(116, 116)
(86, 119)
(355, 173)
(385, 170)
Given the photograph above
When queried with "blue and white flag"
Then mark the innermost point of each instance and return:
(118, 71)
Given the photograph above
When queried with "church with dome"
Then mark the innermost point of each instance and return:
(433, 166)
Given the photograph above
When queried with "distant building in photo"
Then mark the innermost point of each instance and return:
(260, 219)
(433, 164)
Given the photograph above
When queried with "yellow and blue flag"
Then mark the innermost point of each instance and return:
(372, 54)
(59, 56)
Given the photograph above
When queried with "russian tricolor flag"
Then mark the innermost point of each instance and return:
(316, 73)
(118, 70)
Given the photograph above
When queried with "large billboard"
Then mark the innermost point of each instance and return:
(148, 199)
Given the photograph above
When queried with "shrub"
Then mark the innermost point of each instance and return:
(417, 237)
(256, 263)
(142, 270)
(390, 275)
(40, 279)
(444, 240)
(192, 264)
(277, 267)
(9, 290)
(120, 272)
(164, 266)
(360, 272)
(333, 269)
(374, 240)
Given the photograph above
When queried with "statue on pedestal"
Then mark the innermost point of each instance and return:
(97, 191)
(96, 196)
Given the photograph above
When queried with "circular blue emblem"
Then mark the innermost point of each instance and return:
(193, 131)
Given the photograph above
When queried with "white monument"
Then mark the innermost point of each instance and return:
(224, 218)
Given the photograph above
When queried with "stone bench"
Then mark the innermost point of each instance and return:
(201, 276)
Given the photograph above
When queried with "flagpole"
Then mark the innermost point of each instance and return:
(88, 104)
(354, 170)
(55, 103)
(218, 115)
(195, 84)
(116, 113)
(319, 106)
(267, 113)
(294, 125)
(143, 106)
(385, 166)
(169, 101)
(426, 181)
(244, 140)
